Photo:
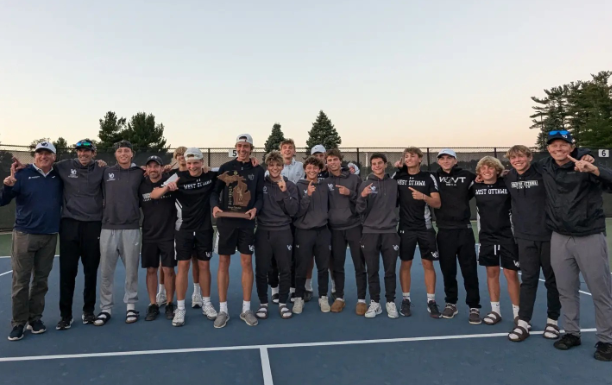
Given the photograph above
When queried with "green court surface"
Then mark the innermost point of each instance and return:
(5, 240)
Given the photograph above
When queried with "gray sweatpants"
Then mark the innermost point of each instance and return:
(115, 244)
(588, 255)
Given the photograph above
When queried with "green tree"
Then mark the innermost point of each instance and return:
(323, 132)
(145, 134)
(111, 131)
(274, 140)
(64, 150)
(6, 159)
(551, 113)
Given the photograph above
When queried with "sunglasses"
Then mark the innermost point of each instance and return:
(553, 133)
(84, 143)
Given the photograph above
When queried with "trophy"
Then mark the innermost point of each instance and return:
(236, 196)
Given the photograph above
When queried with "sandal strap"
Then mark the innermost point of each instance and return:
(132, 313)
(525, 331)
(104, 316)
(262, 309)
(494, 316)
(555, 329)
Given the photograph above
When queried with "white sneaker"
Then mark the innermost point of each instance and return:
(324, 304)
(196, 300)
(392, 310)
(161, 299)
(179, 317)
(298, 305)
(373, 310)
(209, 311)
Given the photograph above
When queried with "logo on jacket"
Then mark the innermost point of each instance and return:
(111, 177)
(265, 189)
(73, 173)
(331, 186)
(374, 190)
(251, 177)
(305, 192)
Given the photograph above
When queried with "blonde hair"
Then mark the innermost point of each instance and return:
(179, 151)
(519, 149)
(414, 151)
(274, 157)
(286, 142)
(491, 162)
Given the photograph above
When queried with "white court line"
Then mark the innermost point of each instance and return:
(6, 272)
(265, 366)
(583, 292)
(8, 256)
(270, 346)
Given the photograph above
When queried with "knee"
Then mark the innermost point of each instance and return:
(428, 265)
(511, 275)
(168, 272)
(203, 265)
(224, 263)
(493, 272)
(246, 262)
(407, 265)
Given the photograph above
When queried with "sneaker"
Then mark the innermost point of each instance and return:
(249, 318)
(338, 306)
(405, 308)
(276, 298)
(432, 308)
(221, 320)
(209, 311)
(65, 323)
(373, 310)
(392, 310)
(298, 306)
(170, 311)
(152, 312)
(324, 304)
(196, 300)
(603, 352)
(17, 333)
(179, 317)
(161, 299)
(307, 295)
(474, 317)
(88, 318)
(37, 327)
(450, 310)
(361, 308)
(567, 342)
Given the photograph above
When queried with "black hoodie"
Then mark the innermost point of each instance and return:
(82, 189)
(456, 190)
(528, 197)
(494, 216)
(312, 212)
(415, 214)
(342, 212)
(279, 207)
(121, 203)
(378, 208)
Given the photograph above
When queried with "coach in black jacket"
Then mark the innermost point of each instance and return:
(574, 208)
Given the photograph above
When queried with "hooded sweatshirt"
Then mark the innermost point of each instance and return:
(278, 207)
(456, 190)
(121, 203)
(342, 212)
(378, 208)
(313, 210)
(528, 197)
(82, 189)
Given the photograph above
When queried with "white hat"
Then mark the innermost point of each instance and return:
(193, 153)
(447, 151)
(244, 138)
(317, 148)
(45, 146)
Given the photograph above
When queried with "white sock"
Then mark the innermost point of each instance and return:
(519, 332)
(361, 301)
(515, 310)
(431, 297)
(340, 299)
(131, 306)
(206, 300)
(496, 307)
(333, 289)
(181, 304)
(552, 321)
(406, 296)
(291, 290)
(246, 306)
(161, 289)
(275, 290)
(308, 285)
(223, 307)
(196, 288)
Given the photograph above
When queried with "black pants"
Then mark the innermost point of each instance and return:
(532, 256)
(352, 237)
(78, 240)
(269, 245)
(273, 275)
(453, 245)
(387, 245)
(311, 242)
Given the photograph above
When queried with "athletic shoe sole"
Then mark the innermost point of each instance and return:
(378, 312)
(452, 316)
(15, 338)
(31, 329)
(475, 323)
(222, 325)
(65, 327)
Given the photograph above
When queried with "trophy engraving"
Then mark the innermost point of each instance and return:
(238, 196)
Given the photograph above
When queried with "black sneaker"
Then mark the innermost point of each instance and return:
(65, 323)
(432, 308)
(152, 312)
(567, 342)
(170, 311)
(603, 352)
(474, 317)
(88, 318)
(37, 327)
(405, 308)
(17, 333)
(307, 295)
(276, 298)
(450, 310)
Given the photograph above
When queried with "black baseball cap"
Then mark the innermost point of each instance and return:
(123, 143)
(156, 159)
(85, 144)
(562, 134)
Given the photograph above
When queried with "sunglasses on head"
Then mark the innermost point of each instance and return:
(553, 133)
(84, 143)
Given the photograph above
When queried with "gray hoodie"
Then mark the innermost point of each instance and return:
(278, 207)
(378, 209)
(342, 212)
(313, 209)
(82, 189)
(121, 204)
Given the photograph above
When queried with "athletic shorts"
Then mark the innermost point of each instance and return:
(194, 243)
(231, 237)
(426, 239)
(505, 256)
(153, 252)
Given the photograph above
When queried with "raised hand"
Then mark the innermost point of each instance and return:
(367, 191)
(18, 164)
(282, 185)
(343, 190)
(582, 165)
(10, 180)
(417, 195)
(101, 163)
(311, 189)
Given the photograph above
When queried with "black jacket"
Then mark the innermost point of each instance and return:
(312, 212)
(574, 204)
(279, 207)
(82, 189)
(456, 190)
(378, 209)
(528, 197)
(342, 212)
(494, 220)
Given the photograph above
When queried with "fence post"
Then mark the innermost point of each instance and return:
(358, 162)
(209, 157)
(428, 161)
(495, 152)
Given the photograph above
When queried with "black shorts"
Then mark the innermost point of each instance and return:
(152, 252)
(194, 243)
(505, 255)
(426, 239)
(231, 237)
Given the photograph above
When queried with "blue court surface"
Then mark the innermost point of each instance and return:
(311, 348)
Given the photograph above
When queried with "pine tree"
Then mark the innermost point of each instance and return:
(111, 131)
(274, 140)
(323, 132)
(145, 134)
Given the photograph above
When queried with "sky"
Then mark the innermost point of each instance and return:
(387, 74)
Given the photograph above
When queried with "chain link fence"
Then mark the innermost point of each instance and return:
(467, 158)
